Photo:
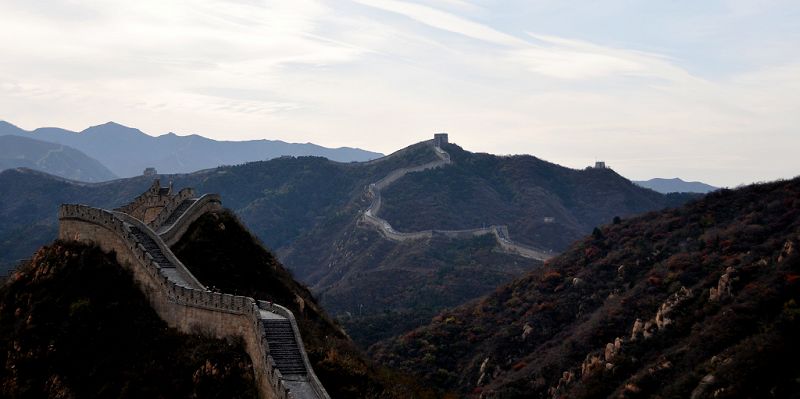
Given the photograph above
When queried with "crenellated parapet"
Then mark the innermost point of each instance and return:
(150, 205)
(170, 205)
(174, 226)
(184, 303)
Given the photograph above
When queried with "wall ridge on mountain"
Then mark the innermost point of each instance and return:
(179, 298)
(370, 218)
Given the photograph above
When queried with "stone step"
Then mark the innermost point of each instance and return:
(151, 247)
(173, 217)
(283, 347)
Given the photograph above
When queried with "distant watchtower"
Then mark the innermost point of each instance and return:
(599, 165)
(439, 139)
(150, 172)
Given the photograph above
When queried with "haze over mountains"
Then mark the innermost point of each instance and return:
(127, 151)
(676, 185)
(56, 159)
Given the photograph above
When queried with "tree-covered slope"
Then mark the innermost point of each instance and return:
(73, 324)
(29, 203)
(307, 210)
(223, 255)
(520, 192)
(700, 301)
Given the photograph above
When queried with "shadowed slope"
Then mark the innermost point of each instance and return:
(479, 190)
(73, 324)
(222, 254)
(698, 301)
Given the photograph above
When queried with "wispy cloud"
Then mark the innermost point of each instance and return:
(444, 21)
(652, 90)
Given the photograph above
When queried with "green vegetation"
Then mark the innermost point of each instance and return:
(74, 324)
(549, 322)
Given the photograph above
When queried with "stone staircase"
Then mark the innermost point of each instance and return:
(151, 247)
(269, 331)
(283, 347)
(173, 217)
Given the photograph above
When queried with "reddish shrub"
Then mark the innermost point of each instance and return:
(551, 276)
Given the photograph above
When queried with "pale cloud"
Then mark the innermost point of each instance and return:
(444, 21)
(382, 74)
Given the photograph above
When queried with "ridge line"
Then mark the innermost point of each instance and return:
(369, 217)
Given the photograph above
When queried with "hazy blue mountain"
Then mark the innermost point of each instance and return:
(128, 151)
(676, 185)
(56, 159)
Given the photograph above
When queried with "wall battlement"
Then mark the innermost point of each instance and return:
(150, 206)
(182, 302)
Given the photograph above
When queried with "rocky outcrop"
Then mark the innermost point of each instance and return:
(723, 288)
(604, 360)
(788, 250)
(663, 315)
(663, 318)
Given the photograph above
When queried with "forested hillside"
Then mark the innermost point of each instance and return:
(700, 301)
(222, 254)
(307, 210)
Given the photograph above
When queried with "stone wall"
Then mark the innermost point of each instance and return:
(191, 310)
(207, 203)
(172, 203)
(151, 205)
(370, 216)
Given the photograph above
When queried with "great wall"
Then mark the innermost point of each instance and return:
(141, 233)
(370, 218)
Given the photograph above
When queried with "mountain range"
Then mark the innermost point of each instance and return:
(127, 151)
(481, 276)
(55, 159)
(310, 211)
(676, 185)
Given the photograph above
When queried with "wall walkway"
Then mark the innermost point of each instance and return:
(269, 331)
(371, 219)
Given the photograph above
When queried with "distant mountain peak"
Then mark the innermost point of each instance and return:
(676, 185)
(127, 150)
(112, 126)
(7, 124)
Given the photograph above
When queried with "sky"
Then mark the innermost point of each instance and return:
(702, 90)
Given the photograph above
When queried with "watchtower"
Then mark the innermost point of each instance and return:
(439, 139)
(599, 165)
(149, 204)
